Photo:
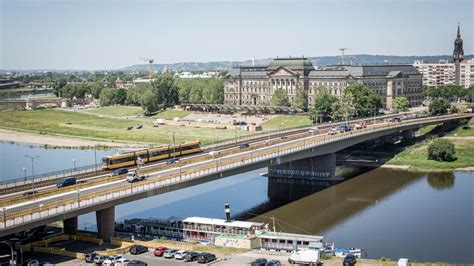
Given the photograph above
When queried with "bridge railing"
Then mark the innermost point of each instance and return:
(206, 168)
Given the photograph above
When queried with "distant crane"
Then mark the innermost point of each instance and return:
(342, 54)
(149, 61)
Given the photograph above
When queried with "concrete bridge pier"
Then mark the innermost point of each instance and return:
(70, 226)
(321, 167)
(106, 223)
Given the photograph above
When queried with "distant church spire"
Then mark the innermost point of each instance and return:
(458, 52)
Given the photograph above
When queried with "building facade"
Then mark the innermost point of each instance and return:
(444, 73)
(255, 85)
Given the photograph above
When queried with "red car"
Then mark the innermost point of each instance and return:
(159, 251)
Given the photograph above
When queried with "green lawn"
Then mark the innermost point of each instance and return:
(116, 111)
(111, 129)
(426, 129)
(465, 131)
(286, 121)
(171, 114)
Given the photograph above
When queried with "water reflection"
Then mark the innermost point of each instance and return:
(440, 181)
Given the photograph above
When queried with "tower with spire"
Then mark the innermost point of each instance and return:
(458, 56)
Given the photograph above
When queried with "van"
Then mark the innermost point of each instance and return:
(68, 181)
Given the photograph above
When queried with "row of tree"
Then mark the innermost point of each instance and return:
(448, 92)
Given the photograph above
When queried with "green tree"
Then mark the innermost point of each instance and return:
(365, 99)
(439, 106)
(107, 96)
(343, 108)
(165, 91)
(400, 104)
(323, 103)
(279, 98)
(301, 99)
(441, 150)
(149, 102)
(58, 85)
(134, 95)
(120, 96)
(96, 88)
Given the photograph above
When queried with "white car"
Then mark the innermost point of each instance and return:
(134, 177)
(179, 255)
(121, 262)
(332, 131)
(313, 129)
(112, 260)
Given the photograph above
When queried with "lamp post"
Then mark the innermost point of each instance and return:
(32, 172)
(4, 212)
(78, 198)
(95, 158)
(24, 171)
(74, 163)
(174, 144)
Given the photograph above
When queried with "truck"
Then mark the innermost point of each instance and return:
(306, 256)
(133, 176)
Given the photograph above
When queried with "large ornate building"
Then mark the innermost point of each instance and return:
(255, 85)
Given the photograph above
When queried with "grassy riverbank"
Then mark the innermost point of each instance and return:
(286, 121)
(417, 156)
(88, 126)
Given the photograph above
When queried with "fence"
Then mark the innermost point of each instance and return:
(205, 168)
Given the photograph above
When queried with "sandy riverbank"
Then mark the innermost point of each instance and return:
(59, 141)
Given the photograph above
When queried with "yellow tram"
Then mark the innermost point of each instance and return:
(150, 155)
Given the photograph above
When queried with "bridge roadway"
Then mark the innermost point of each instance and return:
(30, 214)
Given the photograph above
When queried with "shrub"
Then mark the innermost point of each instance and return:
(441, 150)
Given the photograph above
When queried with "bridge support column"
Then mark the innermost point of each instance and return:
(70, 226)
(408, 135)
(321, 167)
(106, 223)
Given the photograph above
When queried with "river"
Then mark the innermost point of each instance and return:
(425, 217)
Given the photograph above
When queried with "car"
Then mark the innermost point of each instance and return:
(344, 128)
(397, 119)
(172, 161)
(169, 253)
(349, 260)
(159, 251)
(259, 262)
(273, 263)
(132, 176)
(120, 171)
(138, 249)
(191, 256)
(29, 193)
(358, 126)
(313, 130)
(205, 242)
(179, 255)
(68, 181)
(121, 262)
(244, 145)
(332, 131)
(90, 257)
(137, 263)
(206, 257)
(100, 259)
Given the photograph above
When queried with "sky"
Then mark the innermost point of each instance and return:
(111, 34)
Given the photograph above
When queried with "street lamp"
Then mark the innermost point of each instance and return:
(24, 171)
(32, 172)
(95, 158)
(4, 212)
(78, 198)
(174, 144)
(74, 162)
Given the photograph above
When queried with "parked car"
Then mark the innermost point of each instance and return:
(273, 263)
(259, 262)
(159, 251)
(111, 260)
(172, 161)
(206, 257)
(205, 242)
(121, 262)
(191, 256)
(179, 255)
(99, 259)
(349, 260)
(138, 249)
(137, 263)
(120, 171)
(244, 145)
(90, 257)
(68, 181)
(169, 253)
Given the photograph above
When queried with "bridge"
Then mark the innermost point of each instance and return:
(300, 154)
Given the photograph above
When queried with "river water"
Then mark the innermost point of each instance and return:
(425, 217)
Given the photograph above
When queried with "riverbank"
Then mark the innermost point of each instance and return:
(58, 141)
(415, 158)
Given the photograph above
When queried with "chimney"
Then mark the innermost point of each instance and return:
(227, 212)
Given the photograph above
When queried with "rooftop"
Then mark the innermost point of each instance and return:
(221, 222)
